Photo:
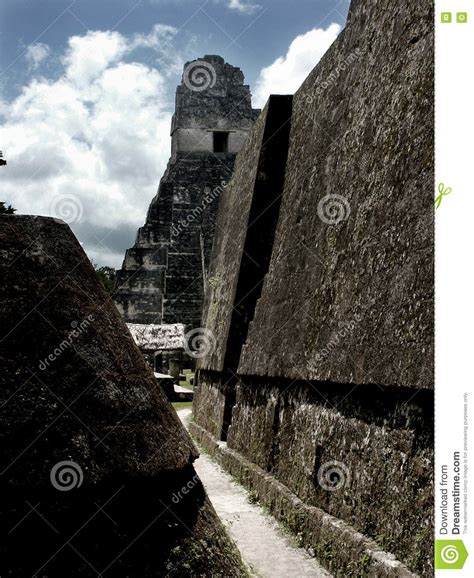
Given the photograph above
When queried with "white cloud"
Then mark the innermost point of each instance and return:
(99, 134)
(35, 54)
(3, 107)
(243, 6)
(88, 56)
(285, 75)
(159, 40)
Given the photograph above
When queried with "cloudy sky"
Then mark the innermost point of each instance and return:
(87, 93)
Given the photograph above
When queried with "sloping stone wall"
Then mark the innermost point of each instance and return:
(367, 137)
(96, 471)
(247, 220)
(329, 367)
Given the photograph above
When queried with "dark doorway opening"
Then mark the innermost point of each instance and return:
(221, 142)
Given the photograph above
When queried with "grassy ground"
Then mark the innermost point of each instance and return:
(188, 373)
(182, 405)
(185, 404)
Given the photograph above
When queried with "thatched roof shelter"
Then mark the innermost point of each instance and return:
(151, 338)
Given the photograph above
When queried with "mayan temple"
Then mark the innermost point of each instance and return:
(162, 276)
(284, 282)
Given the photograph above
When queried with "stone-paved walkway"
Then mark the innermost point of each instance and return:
(264, 546)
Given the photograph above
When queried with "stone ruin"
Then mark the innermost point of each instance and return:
(162, 276)
(320, 372)
(96, 470)
(317, 389)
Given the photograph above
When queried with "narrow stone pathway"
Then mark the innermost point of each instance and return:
(263, 544)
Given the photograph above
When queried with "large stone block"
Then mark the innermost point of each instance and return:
(361, 151)
(330, 359)
(209, 404)
(365, 457)
(254, 426)
(247, 218)
(95, 467)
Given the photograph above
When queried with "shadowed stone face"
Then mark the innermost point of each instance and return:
(351, 275)
(322, 382)
(162, 276)
(92, 456)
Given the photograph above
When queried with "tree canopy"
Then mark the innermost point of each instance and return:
(6, 210)
(106, 276)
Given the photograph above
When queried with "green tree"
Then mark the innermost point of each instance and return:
(106, 276)
(6, 210)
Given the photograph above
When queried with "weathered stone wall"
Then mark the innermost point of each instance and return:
(380, 442)
(93, 459)
(247, 219)
(212, 95)
(161, 280)
(367, 137)
(209, 404)
(329, 363)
